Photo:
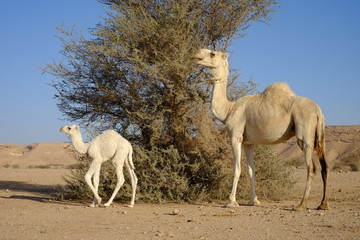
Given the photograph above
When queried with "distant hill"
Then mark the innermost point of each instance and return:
(35, 155)
(341, 141)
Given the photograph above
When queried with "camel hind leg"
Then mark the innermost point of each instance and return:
(311, 170)
(130, 167)
(324, 174)
(120, 180)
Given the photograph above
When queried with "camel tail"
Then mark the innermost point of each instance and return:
(129, 158)
(320, 142)
(320, 149)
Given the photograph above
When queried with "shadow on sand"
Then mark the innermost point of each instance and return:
(40, 193)
(34, 192)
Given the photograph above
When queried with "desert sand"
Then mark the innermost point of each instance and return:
(28, 210)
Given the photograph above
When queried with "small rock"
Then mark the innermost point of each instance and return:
(176, 212)
(159, 234)
(321, 214)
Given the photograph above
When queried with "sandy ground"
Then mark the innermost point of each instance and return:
(27, 211)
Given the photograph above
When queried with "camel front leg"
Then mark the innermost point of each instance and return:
(249, 152)
(94, 170)
(236, 145)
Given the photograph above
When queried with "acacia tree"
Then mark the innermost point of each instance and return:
(136, 75)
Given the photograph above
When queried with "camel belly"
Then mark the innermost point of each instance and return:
(270, 135)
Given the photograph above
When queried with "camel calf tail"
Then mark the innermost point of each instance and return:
(129, 159)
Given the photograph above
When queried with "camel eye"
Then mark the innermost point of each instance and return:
(212, 54)
(69, 128)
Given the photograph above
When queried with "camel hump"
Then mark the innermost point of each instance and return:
(279, 89)
(279, 93)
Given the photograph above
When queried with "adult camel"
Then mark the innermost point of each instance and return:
(270, 117)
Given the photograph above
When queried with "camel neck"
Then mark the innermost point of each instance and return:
(78, 144)
(220, 105)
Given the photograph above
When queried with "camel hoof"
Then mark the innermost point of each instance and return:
(92, 205)
(130, 206)
(254, 202)
(323, 206)
(299, 208)
(232, 205)
(107, 204)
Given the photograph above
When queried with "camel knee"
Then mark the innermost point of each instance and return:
(311, 170)
(88, 177)
(301, 144)
(135, 181)
(252, 170)
(120, 182)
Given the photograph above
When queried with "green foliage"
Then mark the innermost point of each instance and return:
(178, 177)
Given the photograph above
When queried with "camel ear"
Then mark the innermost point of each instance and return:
(225, 56)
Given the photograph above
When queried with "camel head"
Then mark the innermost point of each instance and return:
(70, 130)
(211, 59)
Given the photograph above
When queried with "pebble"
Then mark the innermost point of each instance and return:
(176, 212)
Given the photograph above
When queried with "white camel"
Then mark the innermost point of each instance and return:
(108, 145)
(271, 117)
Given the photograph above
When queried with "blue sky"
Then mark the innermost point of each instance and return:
(313, 45)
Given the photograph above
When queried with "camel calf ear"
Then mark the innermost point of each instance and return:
(225, 55)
